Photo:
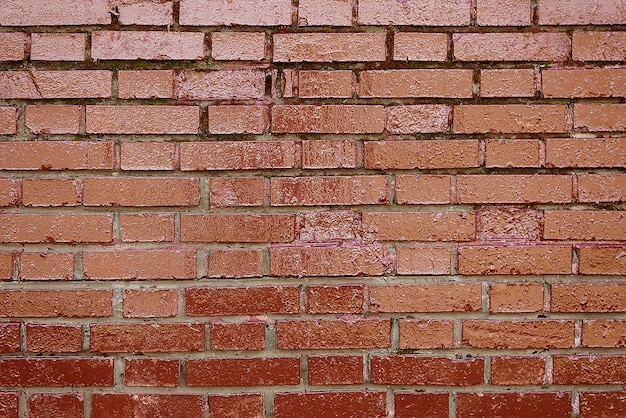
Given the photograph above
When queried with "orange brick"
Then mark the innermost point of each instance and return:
(46, 266)
(422, 189)
(584, 225)
(602, 260)
(329, 47)
(586, 152)
(236, 191)
(516, 297)
(592, 117)
(224, 227)
(325, 13)
(50, 192)
(539, 46)
(503, 13)
(241, 336)
(140, 264)
(423, 260)
(417, 119)
(509, 224)
(507, 83)
(337, 119)
(55, 84)
(57, 47)
(589, 370)
(496, 188)
(146, 227)
(474, 119)
(56, 155)
(234, 13)
(335, 370)
(220, 84)
(238, 119)
(316, 83)
(237, 155)
(151, 372)
(335, 299)
(329, 226)
(12, 46)
(146, 12)
(148, 156)
(447, 83)
(420, 226)
(8, 120)
(74, 303)
(439, 297)
(318, 154)
(497, 334)
(6, 266)
(604, 333)
(141, 191)
(477, 260)
(143, 119)
(53, 119)
(147, 45)
(601, 187)
(330, 190)
(238, 46)
(9, 192)
(411, 46)
(46, 338)
(554, 12)
(235, 263)
(389, 12)
(590, 82)
(333, 334)
(145, 84)
(588, 297)
(512, 153)
(598, 46)
(426, 334)
(403, 155)
(149, 338)
(51, 228)
(150, 303)
(517, 370)
(249, 300)
(55, 13)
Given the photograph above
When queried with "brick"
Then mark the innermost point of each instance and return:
(75, 303)
(601, 187)
(321, 84)
(328, 119)
(325, 13)
(69, 405)
(504, 153)
(263, 371)
(424, 370)
(317, 154)
(54, 338)
(155, 227)
(604, 333)
(8, 120)
(9, 404)
(514, 404)
(6, 266)
(308, 261)
(55, 12)
(584, 225)
(128, 405)
(141, 191)
(507, 83)
(416, 83)
(245, 336)
(329, 226)
(237, 155)
(423, 260)
(148, 155)
(589, 370)
(516, 297)
(243, 405)
(336, 404)
(9, 192)
(335, 299)
(335, 370)
(50, 192)
(55, 84)
(424, 404)
(593, 117)
(57, 47)
(154, 337)
(46, 266)
(588, 297)
(603, 12)
(599, 260)
(235, 13)
(253, 300)
(66, 371)
(602, 404)
(333, 334)
(586, 152)
(420, 226)
(516, 335)
(583, 83)
(12, 46)
(412, 46)
(53, 119)
(435, 297)
(238, 119)
(503, 13)
(329, 47)
(509, 224)
(56, 155)
(475, 119)
(238, 46)
(151, 372)
(237, 263)
(417, 119)
(56, 228)
(388, 12)
(143, 119)
(145, 12)
(423, 189)
(220, 85)
(329, 190)
(598, 46)
(517, 370)
(145, 84)
(538, 46)
(150, 303)
(140, 264)
(244, 227)
(521, 188)
(515, 260)
(147, 45)
(431, 154)
(426, 334)
(10, 334)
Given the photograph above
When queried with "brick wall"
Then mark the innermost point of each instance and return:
(312, 208)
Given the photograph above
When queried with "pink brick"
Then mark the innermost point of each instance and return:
(319, 83)
(237, 155)
(145, 84)
(53, 119)
(55, 84)
(238, 46)
(12, 46)
(599, 12)
(57, 47)
(236, 191)
(507, 83)
(9, 192)
(8, 120)
(411, 46)
(540, 46)
(220, 84)
(143, 119)
(325, 13)
(392, 12)
(423, 260)
(146, 12)
(417, 119)
(236, 119)
(503, 13)
(148, 156)
(235, 12)
(127, 45)
(317, 154)
(54, 12)
(329, 47)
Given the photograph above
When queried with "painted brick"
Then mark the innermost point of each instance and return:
(6, 266)
(515, 404)
(335, 370)
(539, 46)
(244, 227)
(333, 334)
(156, 338)
(339, 404)
(589, 370)
(602, 404)
(522, 370)
(148, 45)
(237, 155)
(56, 155)
(426, 334)
(66, 371)
(151, 372)
(11, 337)
(515, 260)
(50, 192)
(235, 13)
(338, 119)
(423, 260)
(319, 83)
(439, 297)
(317, 154)
(54, 338)
(411, 46)
(516, 297)
(143, 119)
(416, 83)
(584, 225)
(220, 84)
(238, 46)
(475, 119)
(235, 263)
(127, 405)
(432, 154)
(503, 153)
(598, 46)
(423, 189)
(503, 13)
(588, 297)
(243, 336)
(509, 224)
(426, 404)
(244, 405)
(602, 260)
(46, 266)
(417, 119)
(57, 47)
(603, 12)
(56, 228)
(516, 335)
(593, 117)
(263, 371)
(139, 264)
(507, 83)
(335, 299)
(55, 84)
(141, 191)
(325, 13)
(150, 303)
(420, 226)
(53, 119)
(55, 12)
(583, 83)
(148, 156)
(603, 333)
(425, 370)
(145, 12)
(388, 12)
(69, 405)
(238, 119)
(253, 300)
(145, 84)
(155, 227)
(601, 187)
(329, 47)
(329, 226)
(12, 46)
(586, 152)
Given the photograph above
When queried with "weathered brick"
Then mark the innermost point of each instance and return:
(318, 154)
(425, 370)
(151, 372)
(420, 226)
(57, 47)
(146, 12)
(237, 155)
(598, 46)
(150, 303)
(411, 46)
(245, 336)
(474, 119)
(594, 117)
(423, 260)
(53, 119)
(602, 260)
(538, 46)
(157, 227)
(50, 192)
(582, 83)
(416, 83)
(432, 154)
(319, 83)
(127, 405)
(512, 153)
(329, 226)
(584, 225)
(602, 404)
(500, 334)
(421, 404)
(514, 404)
(75, 303)
(143, 119)
(238, 46)
(335, 299)
(253, 300)
(56, 155)
(507, 83)
(417, 119)
(8, 120)
(141, 191)
(55, 84)
(516, 297)
(10, 341)
(220, 85)
(503, 13)
(238, 119)
(604, 333)
(389, 12)
(325, 13)
(244, 227)
(129, 338)
(522, 370)
(236, 405)
(12, 46)
(68, 405)
(601, 187)
(439, 297)
(602, 12)
(586, 152)
(515, 260)
(56, 228)
(520, 188)
(589, 370)
(9, 192)
(329, 47)
(333, 334)
(9, 404)
(145, 84)
(148, 45)
(501, 223)
(426, 334)
(66, 371)
(235, 13)
(46, 266)
(55, 12)
(335, 370)
(54, 338)
(235, 263)
(588, 297)
(263, 371)
(337, 119)
(6, 266)
(423, 189)
(148, 156)
(339, 404)
(236, 191)
(140, 264)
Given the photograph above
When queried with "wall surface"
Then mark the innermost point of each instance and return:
(312, 208)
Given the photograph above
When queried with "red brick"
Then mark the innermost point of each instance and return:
(516, 297)
(516, 260)
(46, 405)
(253, 300)
(417, 119)
(389, 12)
(416, 83)
(56, 228)
(601, 187)
(335, 404)
(12, 46)
(46, 266)
(337, 119)
(8, 120)
(153, 337)
(54, 338)
(473, 119)
(10, 337)
(148, 45)
(517, 370)
(599, 260)
(241, 405)
(50, 192)
(140, 264)
(129, 405)
(514, 404)
(157, 227)
(9, 404)
(66, 371)
(150, 303)
(6, 266)
(604, 333)
(503, 13)
(145, 84)
(318, 154)
(244, 336)
(588, 297)
(538, 46)
(141, 191)
(237, 155)
(9, 192)
(316, 83)
(586, 152)
(507, 83)
(603, 12)
(57, 47)
(412, 46)
(220, 84)
(431, 154)
(423, 260)
(420, 226)
(503, 153)
(598, 46)
(146, 12)
(263, 371)
(54, 12)
(237, 263)
(426, 334)
(329, 226)
(55, 84)
(423, 189)
(56, 155)
(333, 334)
(589, 370)
(592, 117)
(151, 372)
(584, 225)
(543, 334)
(424, 404)
(330, 190)
(335, 299)
(325, 13)
(590, 82)
(238, 119)
(335, 370)
(148, 156)
(501, 223)
(309, 261)
(602, 404)
(423, 370)
(143, 119)
(240, 46)
(520, 188)
(235, 13)
(433, 297)
(243, 227)
(53, 119)
(329, 47)
(75, 303)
